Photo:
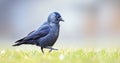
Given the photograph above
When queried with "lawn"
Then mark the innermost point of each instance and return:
(60, 56)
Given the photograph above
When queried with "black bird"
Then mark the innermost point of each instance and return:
(46, 35)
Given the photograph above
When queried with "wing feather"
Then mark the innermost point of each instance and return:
(41, 32)
(38, 34)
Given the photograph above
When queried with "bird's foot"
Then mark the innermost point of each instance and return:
(52, 49)
(48, 47)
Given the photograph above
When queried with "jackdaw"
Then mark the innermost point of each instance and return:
(46, 35)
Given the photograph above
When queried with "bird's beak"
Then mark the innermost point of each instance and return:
(60, 19)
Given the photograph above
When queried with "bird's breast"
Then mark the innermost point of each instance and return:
(51, 38)
(54, 32)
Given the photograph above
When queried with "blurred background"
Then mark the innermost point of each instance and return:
(88, 23)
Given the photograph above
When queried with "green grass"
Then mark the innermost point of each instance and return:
(60, 56)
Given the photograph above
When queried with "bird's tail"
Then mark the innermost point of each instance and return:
(23, 42)
(17, 44)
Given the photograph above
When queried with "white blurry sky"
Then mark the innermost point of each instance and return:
(88, 23)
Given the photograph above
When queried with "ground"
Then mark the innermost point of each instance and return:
(86, 55)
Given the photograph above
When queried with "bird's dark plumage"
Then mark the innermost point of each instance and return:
(46, 35)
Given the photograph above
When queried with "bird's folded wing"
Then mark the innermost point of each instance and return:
(37, 34)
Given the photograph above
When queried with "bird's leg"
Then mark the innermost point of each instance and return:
(52, 49)
(42, 50)
(48, 47)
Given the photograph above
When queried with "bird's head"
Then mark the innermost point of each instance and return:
(55, 17)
